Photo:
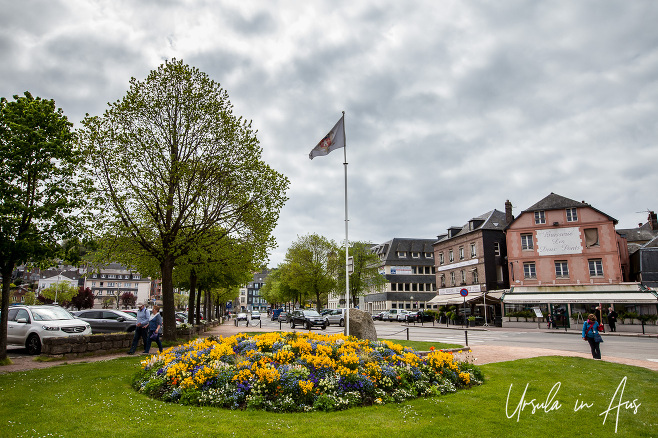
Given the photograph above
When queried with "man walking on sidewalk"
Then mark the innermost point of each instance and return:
(142, 328)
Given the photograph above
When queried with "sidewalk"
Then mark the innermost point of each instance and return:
(480, 355)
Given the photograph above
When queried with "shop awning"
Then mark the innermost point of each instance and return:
(457, 299)
(622, 293)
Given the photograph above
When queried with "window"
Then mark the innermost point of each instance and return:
(497, 248)
(473, 250)
(443, 280)
(561, 269)
(591, 237)
(429, 255)
(393, 287)
(475, 276)
(415, 255)
(441, 261)
(452, 278)
(526, 241)
(596, 268)
(529, 270)
(402, 254)
(540, 217)
(461, 253)
(451, 256)
(463, 273)
(136, 276)
(572, 215)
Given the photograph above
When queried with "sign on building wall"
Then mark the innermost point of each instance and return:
(559, 241)
(400, 270)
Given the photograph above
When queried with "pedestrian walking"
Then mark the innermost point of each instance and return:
(155, 330)
(142, 327)
(612, 319)
(591, 334)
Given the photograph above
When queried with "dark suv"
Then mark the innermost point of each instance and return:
(307, 319)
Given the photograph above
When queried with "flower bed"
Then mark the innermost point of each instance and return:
(288, 372)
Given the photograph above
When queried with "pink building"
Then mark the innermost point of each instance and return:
(566, 260)
(559, 241)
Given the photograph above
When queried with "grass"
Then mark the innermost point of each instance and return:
(96, 398)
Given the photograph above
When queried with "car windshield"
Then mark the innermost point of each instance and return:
(51, 314)
(311, 313)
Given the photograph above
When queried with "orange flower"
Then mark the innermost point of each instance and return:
(431, 348)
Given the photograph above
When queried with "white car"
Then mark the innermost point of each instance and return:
(402, 315)
(29, 325)
(255, 315)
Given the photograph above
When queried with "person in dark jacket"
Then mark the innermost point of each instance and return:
(612, 319)
(155, 330)
(591, 329)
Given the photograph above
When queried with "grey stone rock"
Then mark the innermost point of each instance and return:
(362, 325)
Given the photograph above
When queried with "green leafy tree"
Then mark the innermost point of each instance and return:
(60, 292)
(43, 187)
(309, 269)
(365, 276)
(174, 165)
(277, 288)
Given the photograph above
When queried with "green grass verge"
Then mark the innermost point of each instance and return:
(96, 399)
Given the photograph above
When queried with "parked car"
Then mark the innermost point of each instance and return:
(336, 316)
(402, 315)
(107, 320)
(419, 316)
(241, 317)
(275, 314)
(283, 317)
(29, 325)
(379, 316)
(131, 312)
(307, 319)
(392, 315)
(255, 314)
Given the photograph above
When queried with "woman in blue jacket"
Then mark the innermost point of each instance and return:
(155, 330)
(591, 334)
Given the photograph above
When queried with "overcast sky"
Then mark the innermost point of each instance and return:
(451, 107)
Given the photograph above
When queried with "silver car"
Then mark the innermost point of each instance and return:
(336, 316)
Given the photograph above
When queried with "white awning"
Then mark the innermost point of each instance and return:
(456, 298)
(639, 297)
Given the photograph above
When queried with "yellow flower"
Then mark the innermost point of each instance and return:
(306, 386)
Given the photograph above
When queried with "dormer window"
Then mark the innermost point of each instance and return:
(540, 217)
(572, 214)
(415, 255)
(402, 254)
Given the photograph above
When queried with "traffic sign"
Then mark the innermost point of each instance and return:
(463, 292)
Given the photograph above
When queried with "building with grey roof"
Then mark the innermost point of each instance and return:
(408, 265)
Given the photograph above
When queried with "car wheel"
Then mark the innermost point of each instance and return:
(341, 323)
(292, 324)
(324, 327)
(33, 344)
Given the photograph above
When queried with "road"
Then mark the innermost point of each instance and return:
(631, 347)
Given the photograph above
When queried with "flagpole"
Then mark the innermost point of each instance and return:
(347, 252)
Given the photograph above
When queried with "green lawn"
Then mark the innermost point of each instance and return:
(95, 399)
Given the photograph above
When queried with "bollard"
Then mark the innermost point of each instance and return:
(247, 323)
(407, 333)
(466, 334)
(236, 322)
(260, 323)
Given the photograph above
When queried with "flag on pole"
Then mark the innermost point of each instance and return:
(335, 139)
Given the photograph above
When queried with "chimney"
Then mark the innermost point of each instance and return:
(653, 221)
(508, 212)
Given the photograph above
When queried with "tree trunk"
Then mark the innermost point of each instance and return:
(6, 284)
(168, 305)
